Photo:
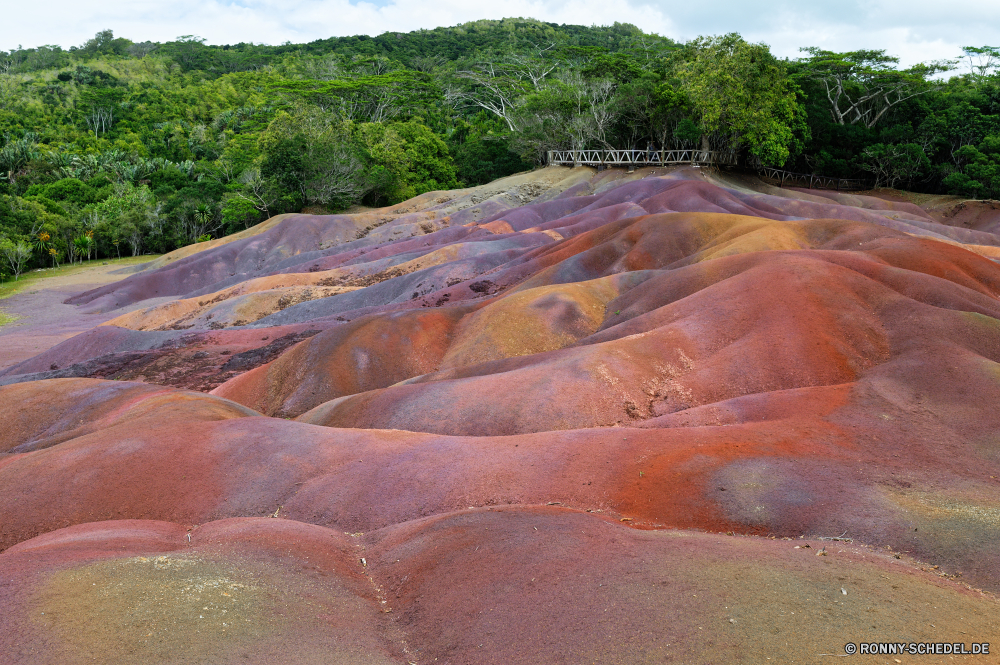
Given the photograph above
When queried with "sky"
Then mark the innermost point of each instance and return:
(913, 30)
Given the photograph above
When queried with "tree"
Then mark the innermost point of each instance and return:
(142, 49)
(891, 164)
(134, 237)
(100, 107)
(481, 150)
(83, 245)
(9, 90)
(311, 157)
(978, 174)
(252, 197)
(16, 155)
(104, 42)
(284, 161)
(493, 88)
(741, 96)
(371, 98)
(428, 165)
(497, 82)
(188, 51)
(570, 110)
(41, 242)
(596, 96)
(861, 86)
(551, 119)
(982, 60)
(953, 128)
(203, 221)
(16, 253)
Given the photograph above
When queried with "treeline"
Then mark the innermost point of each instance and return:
(117, 147)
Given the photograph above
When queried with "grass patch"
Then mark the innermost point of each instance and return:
(6, 318)
(32, 278)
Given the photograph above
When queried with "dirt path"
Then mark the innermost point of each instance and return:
(44, 320)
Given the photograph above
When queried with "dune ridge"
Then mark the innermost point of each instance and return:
(675, 415)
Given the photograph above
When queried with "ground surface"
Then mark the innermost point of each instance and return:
(567, 417)
(38, 317)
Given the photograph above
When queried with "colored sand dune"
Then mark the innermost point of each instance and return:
(565, 417)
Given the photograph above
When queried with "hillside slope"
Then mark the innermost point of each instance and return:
(565, 417)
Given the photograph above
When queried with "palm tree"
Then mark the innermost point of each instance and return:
(203, 215)
(82, 245)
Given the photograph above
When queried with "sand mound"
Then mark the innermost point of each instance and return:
(241, 591)
(575, 589)
(565, 417)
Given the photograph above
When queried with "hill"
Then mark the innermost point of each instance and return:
(566, 416)
(117, 148)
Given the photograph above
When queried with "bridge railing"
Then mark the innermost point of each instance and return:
(700, 157)
(812, 181)
(640, 157)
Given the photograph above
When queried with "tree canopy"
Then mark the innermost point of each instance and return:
(861, 86)
(129, 146)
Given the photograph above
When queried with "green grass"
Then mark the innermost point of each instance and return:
(6, 318)
(32, 278)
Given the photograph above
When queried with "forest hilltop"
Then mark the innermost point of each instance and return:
(117, 147)
(402, 398)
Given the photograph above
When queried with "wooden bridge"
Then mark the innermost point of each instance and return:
(633, 158)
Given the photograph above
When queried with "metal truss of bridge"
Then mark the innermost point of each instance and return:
(632, 158)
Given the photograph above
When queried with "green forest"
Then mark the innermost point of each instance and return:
(118, 148)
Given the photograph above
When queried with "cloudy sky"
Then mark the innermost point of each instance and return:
(914, 30)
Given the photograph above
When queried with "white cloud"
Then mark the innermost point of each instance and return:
(66, 22)
(914, 30)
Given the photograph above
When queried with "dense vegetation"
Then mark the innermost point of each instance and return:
(120, 147)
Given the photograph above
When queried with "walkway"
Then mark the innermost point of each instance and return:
(640, 157)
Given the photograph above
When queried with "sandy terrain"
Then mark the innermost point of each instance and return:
(673, 416)
(43, 318)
